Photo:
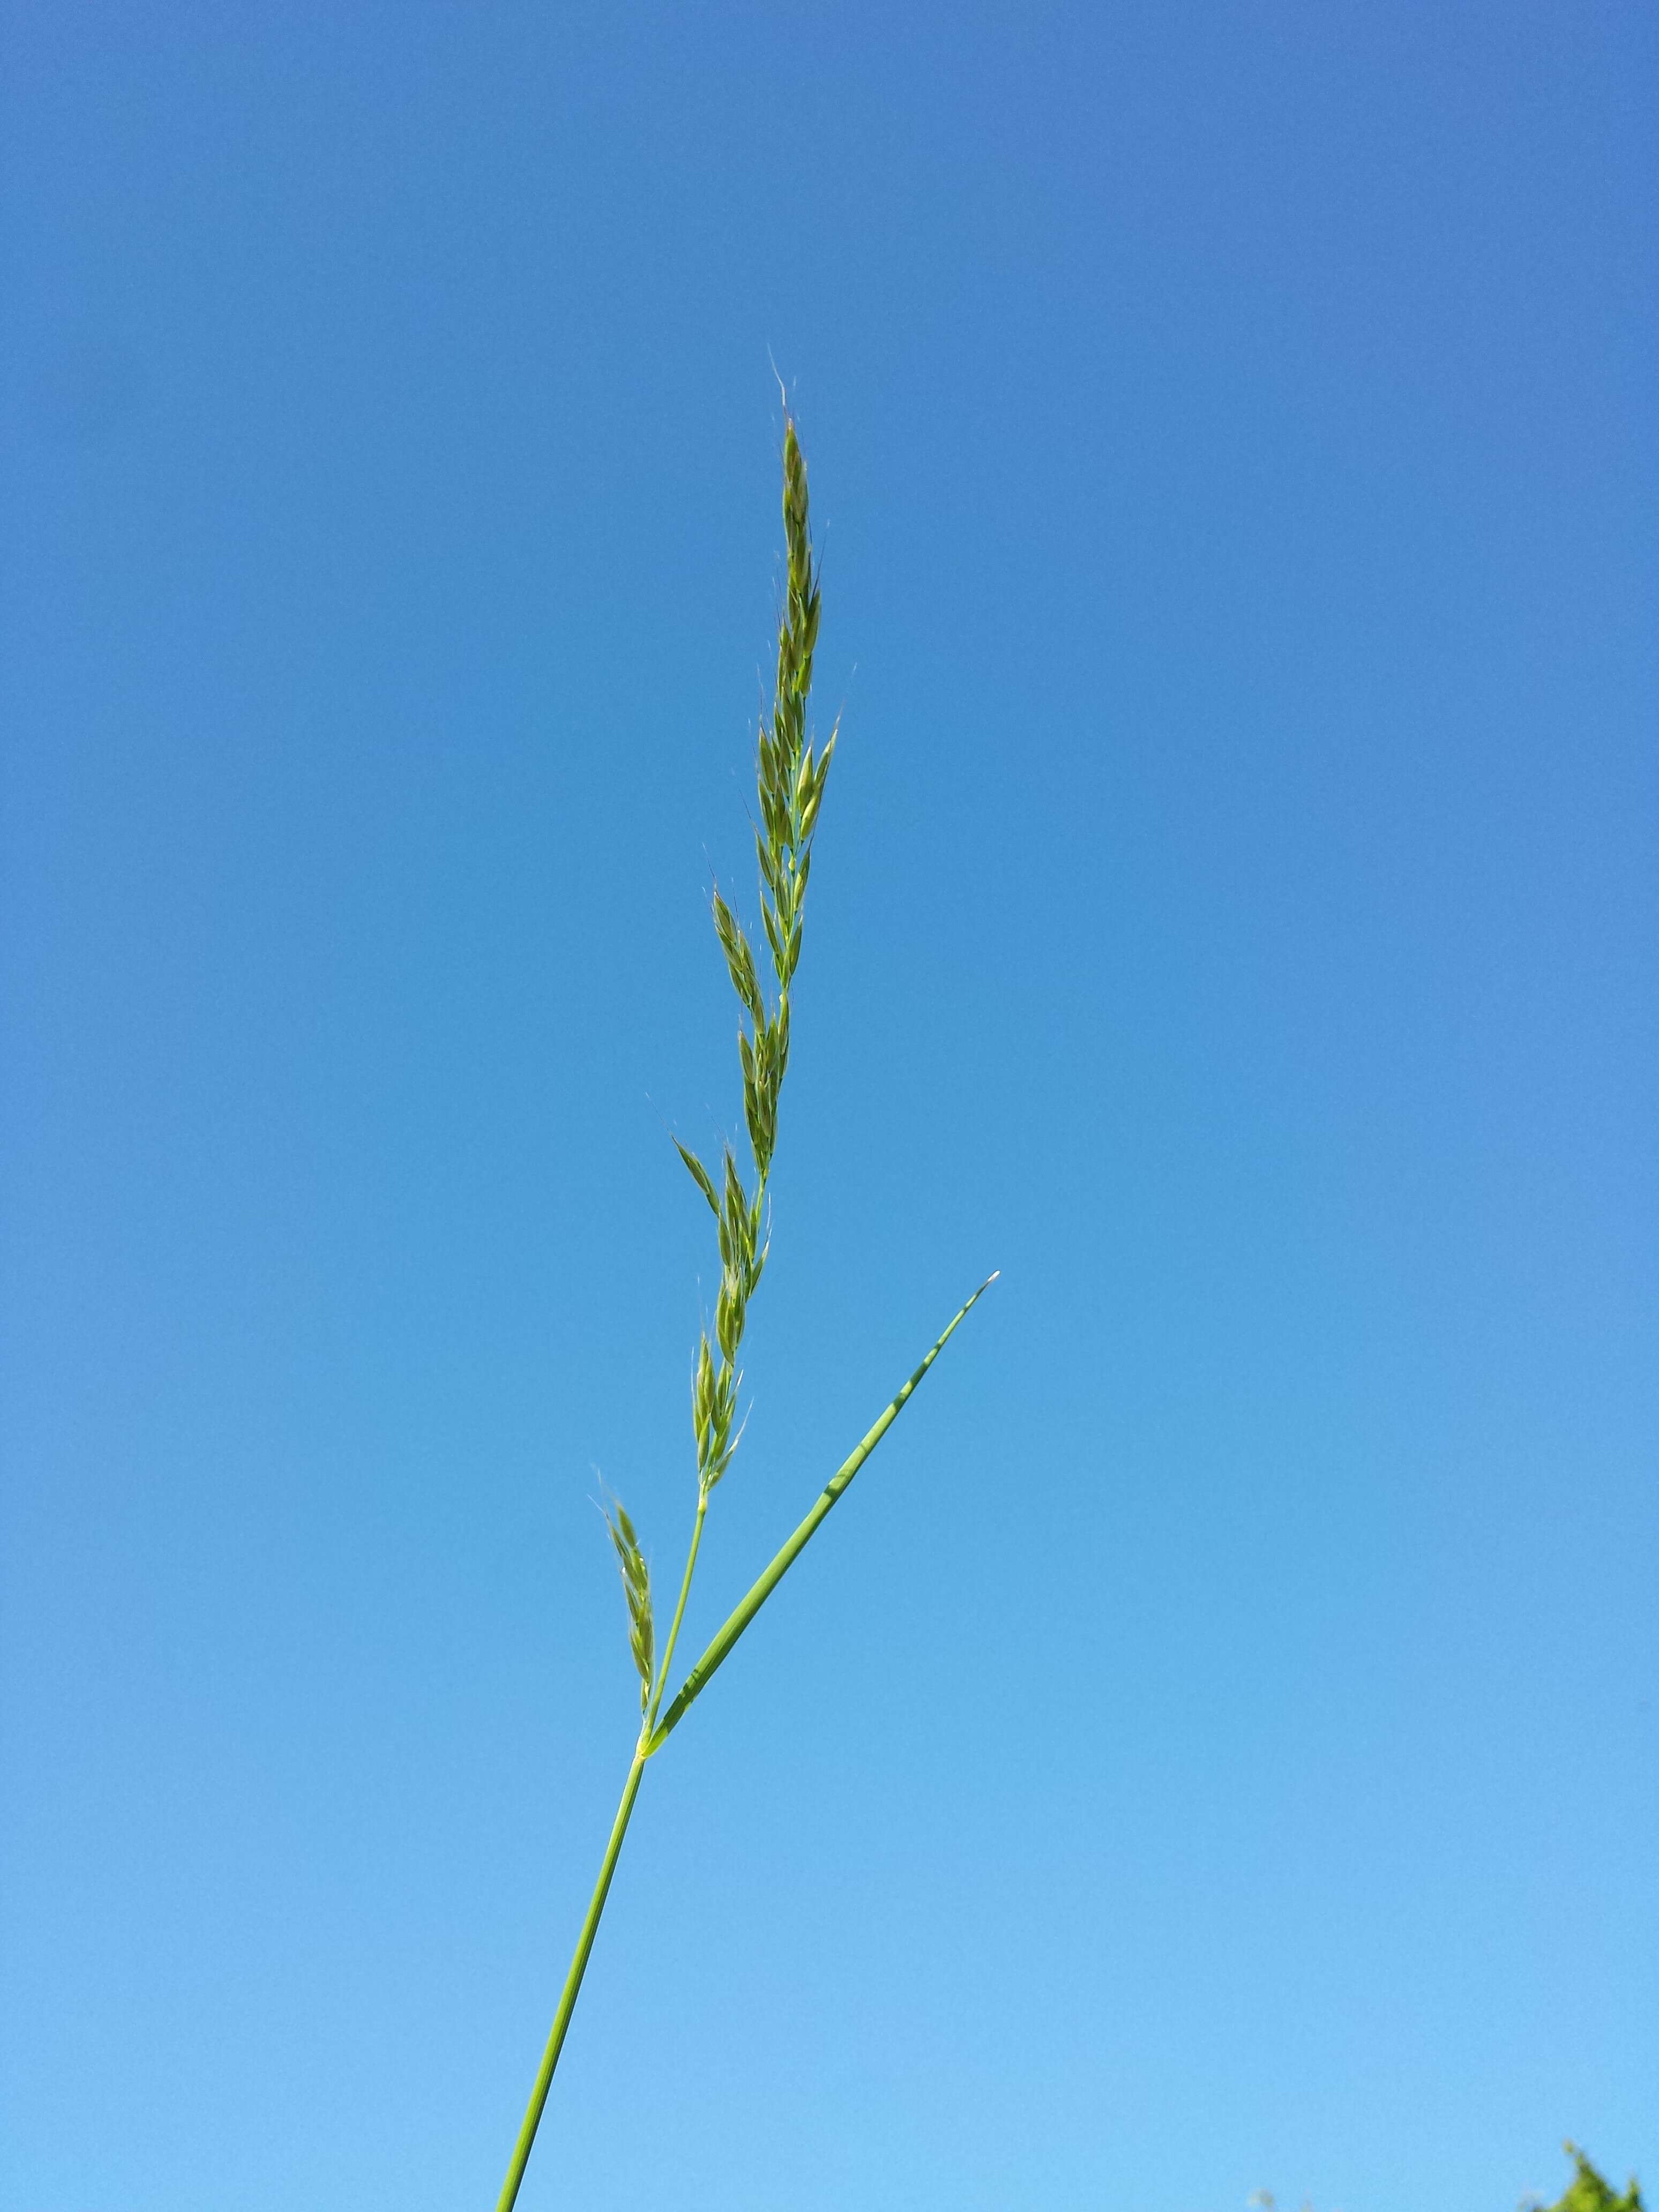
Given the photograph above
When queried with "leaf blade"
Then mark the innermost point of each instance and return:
(726, 1638)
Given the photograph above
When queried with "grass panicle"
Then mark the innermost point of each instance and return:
(789, 787)
(790, 780)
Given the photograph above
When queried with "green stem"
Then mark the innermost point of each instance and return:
(667, 1659)
(573, 1982)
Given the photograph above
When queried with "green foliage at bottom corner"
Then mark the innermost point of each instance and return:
(1589, 2193)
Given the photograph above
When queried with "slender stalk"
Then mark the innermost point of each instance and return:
(573, 1982)
(679, 1614)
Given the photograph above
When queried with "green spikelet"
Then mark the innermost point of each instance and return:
(636, 1584)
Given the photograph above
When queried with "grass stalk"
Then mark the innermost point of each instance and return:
(680, 1613)
(790, 786)
(572, 1983)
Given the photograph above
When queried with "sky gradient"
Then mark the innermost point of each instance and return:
(1213, 1746)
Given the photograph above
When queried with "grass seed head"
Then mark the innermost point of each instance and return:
(789, 781)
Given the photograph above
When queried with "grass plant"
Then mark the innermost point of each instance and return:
(790, 778)
(1590, 2192)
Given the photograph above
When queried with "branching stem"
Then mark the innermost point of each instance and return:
(652, 1737)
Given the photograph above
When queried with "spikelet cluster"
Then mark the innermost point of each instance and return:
(790, 784)
(636, 1587)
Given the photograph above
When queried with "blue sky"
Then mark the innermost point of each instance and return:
(1213, 1747)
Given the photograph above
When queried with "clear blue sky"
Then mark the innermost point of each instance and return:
(1213, 1747)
